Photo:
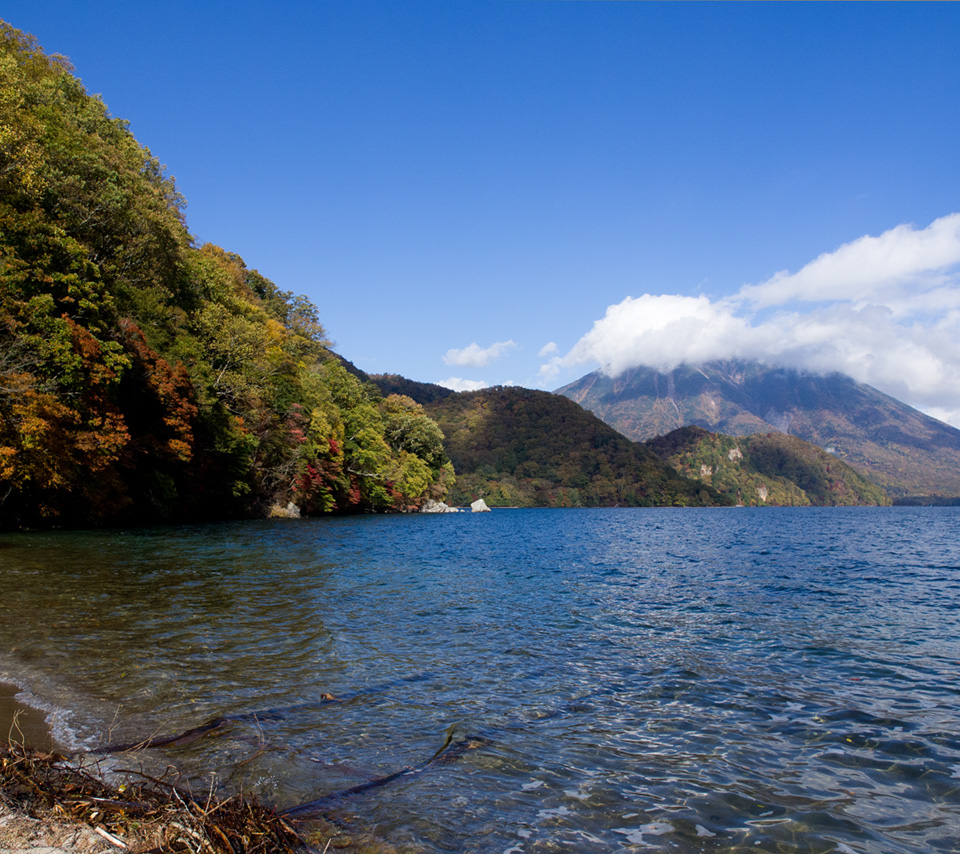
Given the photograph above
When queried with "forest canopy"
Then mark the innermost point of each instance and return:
(144, 377)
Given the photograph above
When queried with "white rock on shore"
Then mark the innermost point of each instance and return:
(431, 506)
(291, 511)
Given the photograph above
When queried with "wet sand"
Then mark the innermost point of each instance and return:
(22, 724)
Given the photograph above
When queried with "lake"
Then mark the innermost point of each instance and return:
(762, 680)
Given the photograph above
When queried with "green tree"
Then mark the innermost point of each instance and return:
(144, 377)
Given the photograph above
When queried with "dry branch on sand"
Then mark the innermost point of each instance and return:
(148, 816)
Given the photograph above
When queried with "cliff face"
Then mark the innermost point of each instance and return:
(894, 445)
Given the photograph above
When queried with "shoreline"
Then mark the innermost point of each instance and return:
(21, 723)
(55, 804)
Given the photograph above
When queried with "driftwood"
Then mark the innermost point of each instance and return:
(193, 734)
(449, 750)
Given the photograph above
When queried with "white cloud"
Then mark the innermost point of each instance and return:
(885, 310)
(460, 384)
(661, 331)
(889, 267)
(547, 349)
(551, 370)
(948, 416)
(475, 356)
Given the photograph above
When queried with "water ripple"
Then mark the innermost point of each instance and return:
(774, 680)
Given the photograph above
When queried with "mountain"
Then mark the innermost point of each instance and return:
(765, 469)
(424, 393)
(771, 469)
(145, 378)
(894, 445)
(519, 447)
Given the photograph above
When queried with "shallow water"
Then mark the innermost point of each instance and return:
(684, 680)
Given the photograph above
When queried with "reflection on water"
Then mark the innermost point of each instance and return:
(771, 680)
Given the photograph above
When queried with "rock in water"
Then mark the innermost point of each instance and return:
(431, 506)
(291, 511)
(479, 506)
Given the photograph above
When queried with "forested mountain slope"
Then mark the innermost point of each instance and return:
(519, 447)
(897, 447)
(765, 469)
(483, 430)
(425, 393)
(143, 377)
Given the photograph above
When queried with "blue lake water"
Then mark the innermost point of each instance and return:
(604, 680)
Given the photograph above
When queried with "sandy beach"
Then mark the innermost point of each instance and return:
(41, 798)
(20, 833)
(48, 805)
(23, 834)
(20, 723)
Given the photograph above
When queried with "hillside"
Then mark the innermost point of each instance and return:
(894, 445)
(425, 393)
(145, 378)
(765, 469)
(518, 447)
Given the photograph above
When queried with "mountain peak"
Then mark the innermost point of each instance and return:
(896, 446)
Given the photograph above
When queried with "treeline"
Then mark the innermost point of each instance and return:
(143, 377)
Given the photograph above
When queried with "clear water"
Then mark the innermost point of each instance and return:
(614, 680)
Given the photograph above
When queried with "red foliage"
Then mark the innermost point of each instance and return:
(317, 487)
(172, 393)
(354, 495)
(103, 431)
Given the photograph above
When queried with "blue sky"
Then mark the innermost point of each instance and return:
(523, 192)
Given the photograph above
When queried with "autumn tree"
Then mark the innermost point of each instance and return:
(144, 377)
